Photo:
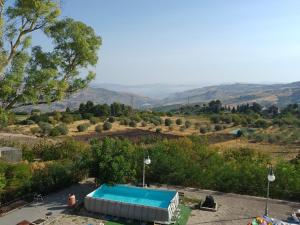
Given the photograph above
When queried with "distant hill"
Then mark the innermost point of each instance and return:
(155, 91)
(97, 95)
(230, 94)
(238, 93)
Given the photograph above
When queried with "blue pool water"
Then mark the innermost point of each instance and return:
(134, 195)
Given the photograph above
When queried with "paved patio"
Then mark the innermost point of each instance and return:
(236, 209)
(55, 203)
(233, 209)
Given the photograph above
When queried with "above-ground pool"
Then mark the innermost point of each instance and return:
(126, 201)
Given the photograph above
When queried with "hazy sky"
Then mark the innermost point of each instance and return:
(200, 41)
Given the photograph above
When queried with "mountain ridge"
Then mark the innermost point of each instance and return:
(239, 93)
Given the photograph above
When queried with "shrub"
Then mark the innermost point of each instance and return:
(169, 114)
(82, 127)
(168, 122)
(218, 127)
(30, 122)
(158, 130)
(111, 119)
(87, 116)
(261, 123)
(107, 126)
(35, 130)
(132, 123)
(52, 120)
(98, 129)
(203, 130)
(57, 115)
(187, 124)
(179, 121)
(63, 129)
(94, 120)
(136, 118)
(215, 118)
(144, 124)
(227, 119)
(67, 118)
(45, 127)
(54, 132)
(76, 116)
(156, 122)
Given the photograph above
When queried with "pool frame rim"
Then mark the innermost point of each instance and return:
(167, 208)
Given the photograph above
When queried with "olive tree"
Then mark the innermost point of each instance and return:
(28, 74)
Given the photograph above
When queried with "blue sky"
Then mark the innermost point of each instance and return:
(193, 41)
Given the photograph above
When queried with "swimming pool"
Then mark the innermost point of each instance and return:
(126, 201)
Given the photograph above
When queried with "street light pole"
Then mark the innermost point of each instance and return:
(144, 171)
(146, 161)
(271, 178)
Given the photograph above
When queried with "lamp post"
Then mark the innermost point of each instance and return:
(271, 178)
(146, 161)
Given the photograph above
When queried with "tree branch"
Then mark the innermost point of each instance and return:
(14, 46)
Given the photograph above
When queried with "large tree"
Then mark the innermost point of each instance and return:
(28, 74)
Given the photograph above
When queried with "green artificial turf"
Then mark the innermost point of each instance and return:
(185, 213)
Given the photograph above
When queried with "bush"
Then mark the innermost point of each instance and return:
(132, 123)
(136, 118)
(179, 121)
(30, 122)
(261, 123)
(227, 119)
(98, 129)
(215, 118)
(107, 126)
(169, 114)
(87, 116)
(168, 122)
(111, 119)
(203, 130)
(54, 132)
(82, 127)
(52, 120)
(156, 122)
(63, 129)
(187, 124)
(158, 130)
(94, 120)
(218, 127)
(76, 116)
(45, 127)
(67, 118)
(144, 124)
(57, 115)
(35, 130)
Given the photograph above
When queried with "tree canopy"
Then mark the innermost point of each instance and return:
(28, 74)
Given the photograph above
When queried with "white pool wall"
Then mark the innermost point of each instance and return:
(132, 211)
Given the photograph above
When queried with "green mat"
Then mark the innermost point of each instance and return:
(185, 213)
